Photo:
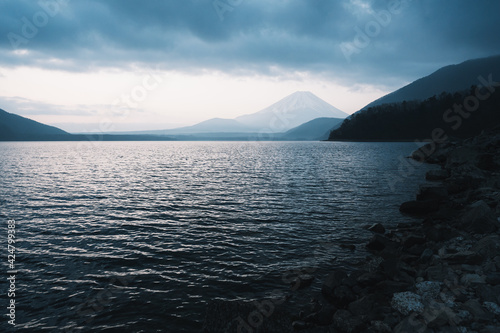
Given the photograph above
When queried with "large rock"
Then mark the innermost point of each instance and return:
(419, 208)
(323, 317)
(479, 218)
(342, 296)
(463, 178)
(379, 243)
(488, 194)
(332, 281)
(369, 279)
(428, 290)
(407, 302)
(468, 279)
(487, 139)
(438, 272)
(463, 257)
(378, 326)
(438, 315)
(492, 307)
(363, 306)
(493, 279)
(488, 162)
(390, 266)
(377, 228)
(335, 289)
(438, 233)
(488, 293)
(413, 239)
(436, 175)
(477, 311)
(488, 247)
(389, 287)
(302, 281)
(344, 321)
(460, 156)
(432, 192)
(237, 316)
(432, 153)
(411, 324)
(490, 329)
(426, 256)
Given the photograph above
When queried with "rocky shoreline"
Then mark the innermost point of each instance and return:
(438, 275)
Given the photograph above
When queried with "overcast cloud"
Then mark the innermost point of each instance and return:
(254, 36)
(69, 62)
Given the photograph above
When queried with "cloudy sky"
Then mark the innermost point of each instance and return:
(159, 64)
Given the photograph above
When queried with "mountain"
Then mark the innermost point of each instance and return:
(214, 125)
(288, 113)
(436, 118)
(14, 127)
(316, 129)
(447, 100)
(292, 111)
(447, 79)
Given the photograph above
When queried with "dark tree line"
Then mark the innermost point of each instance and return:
(461, 115)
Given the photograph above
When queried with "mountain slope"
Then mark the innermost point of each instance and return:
(436, 118)
(407, 114)
(292, 111)
(316, 129)
(214, 125)
(447, 79)
(14, 127)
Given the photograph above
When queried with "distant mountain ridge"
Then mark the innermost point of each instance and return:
(316, 129)
(405, 116)
(214, 125)
(286, 114)
(14, 127)
(17, 128)
(451, 78)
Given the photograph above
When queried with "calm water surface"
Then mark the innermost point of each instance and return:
(138, 236)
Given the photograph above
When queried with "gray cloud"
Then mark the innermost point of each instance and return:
(254, 36)
(28, 107)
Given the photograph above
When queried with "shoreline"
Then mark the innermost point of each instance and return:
(441, 274)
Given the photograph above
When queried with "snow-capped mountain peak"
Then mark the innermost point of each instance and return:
(291, 111)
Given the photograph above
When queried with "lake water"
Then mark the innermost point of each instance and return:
(139, 236)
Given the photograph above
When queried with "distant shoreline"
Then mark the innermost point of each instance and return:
(153, 138)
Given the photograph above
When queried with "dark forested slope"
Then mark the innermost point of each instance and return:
(462, 114)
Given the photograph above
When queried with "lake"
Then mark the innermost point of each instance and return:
(139, 236)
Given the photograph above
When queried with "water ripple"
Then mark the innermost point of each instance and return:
(139, 236)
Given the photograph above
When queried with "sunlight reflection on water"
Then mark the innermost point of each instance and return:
(187, 221)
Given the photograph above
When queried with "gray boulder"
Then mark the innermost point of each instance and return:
(479, 218)
(436, 175)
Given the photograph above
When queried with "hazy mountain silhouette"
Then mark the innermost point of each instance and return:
(288, 113)
(15, 127)
(214, 125)
(316, 129)
(292, 111)
(447, 79)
